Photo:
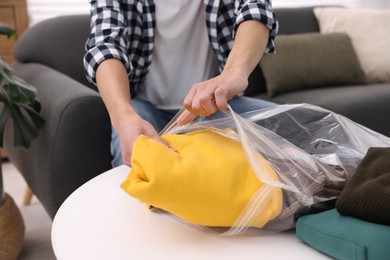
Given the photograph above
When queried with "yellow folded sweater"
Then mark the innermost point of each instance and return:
(207, 181)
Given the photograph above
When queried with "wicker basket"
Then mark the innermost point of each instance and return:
(11, 229)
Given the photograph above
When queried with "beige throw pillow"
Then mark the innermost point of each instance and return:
(369, 31)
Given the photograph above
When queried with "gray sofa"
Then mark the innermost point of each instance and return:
(74, 144)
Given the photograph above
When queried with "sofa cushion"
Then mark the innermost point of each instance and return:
(370, 34)
(343, 237)
(304, 22)
(311, 60)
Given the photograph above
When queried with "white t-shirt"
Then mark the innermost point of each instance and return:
(182, 53)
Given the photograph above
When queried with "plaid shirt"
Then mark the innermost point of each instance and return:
(125, 30)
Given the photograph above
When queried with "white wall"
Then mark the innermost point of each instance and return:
(43, 9)
(295, 3)
(378, 4)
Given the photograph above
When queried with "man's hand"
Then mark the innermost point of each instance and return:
(113, 85)
(206, 97)
(129, 129)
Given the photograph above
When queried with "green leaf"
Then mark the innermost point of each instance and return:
(3, 120)
(20, 104)
(6, 30)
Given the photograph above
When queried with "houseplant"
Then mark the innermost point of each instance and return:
(17, 101)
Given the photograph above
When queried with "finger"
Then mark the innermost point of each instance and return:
(185, 118)
(203, 103)
(221, 102)
(126, 161)
(182, 117)
(160, 140)
(157, 137)
(209, 106)
(187, 103)
(126, 157)
(220, 99)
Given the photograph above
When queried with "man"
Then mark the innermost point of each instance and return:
(149, 58)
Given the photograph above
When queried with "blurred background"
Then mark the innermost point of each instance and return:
(43, 9)
(22, 14)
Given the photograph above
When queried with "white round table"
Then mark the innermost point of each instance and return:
(100, 221)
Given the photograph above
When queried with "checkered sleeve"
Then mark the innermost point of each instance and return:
(108, 37)
(257, 10)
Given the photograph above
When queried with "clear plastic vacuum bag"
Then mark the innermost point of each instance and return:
(313, 151)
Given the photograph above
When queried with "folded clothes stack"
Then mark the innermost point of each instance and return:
(359, 226)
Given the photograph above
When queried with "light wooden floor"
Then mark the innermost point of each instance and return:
(37, 242)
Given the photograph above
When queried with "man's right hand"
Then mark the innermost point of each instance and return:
(129, 128)
(113, 85)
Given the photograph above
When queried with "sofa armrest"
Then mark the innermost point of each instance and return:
(73, 146)
(58, 43)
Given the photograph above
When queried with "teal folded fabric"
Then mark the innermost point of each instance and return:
(344, 237)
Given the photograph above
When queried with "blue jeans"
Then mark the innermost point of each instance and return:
(159, 118)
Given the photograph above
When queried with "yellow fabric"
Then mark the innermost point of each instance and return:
(208, 181)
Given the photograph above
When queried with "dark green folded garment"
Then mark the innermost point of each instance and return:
(367, 193)
(344, 237)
